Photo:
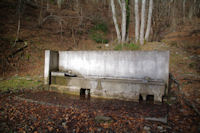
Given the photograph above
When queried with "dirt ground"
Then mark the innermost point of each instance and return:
(46, 111)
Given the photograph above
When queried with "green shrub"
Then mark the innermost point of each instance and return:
(98, 37)
(118, 47)
(98, 33)
(132, 46)
(101, 27)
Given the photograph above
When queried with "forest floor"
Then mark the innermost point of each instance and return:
(47, 111)
(25, 107)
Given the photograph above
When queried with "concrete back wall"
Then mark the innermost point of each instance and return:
(116, 64)
(51, 64)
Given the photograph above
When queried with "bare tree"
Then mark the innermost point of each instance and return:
(142, 23)
(149, 20)
(115, 21)
(121, 36)
(19, 10)
(40, 15)
(123, 26)
(136, 21)
(120, 4)
(59, 3)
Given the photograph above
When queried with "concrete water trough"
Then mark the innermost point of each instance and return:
(123, 75)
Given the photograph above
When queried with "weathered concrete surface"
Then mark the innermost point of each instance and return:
(117, 64)
(113, 74)
(126, 89)
(50, 64)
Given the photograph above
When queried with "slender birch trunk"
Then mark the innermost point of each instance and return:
(149, 20)
(77, 4)
(59, 3)
(47, 5)
(127, 19)
(120, 4)
(142, 22)
(184, 1)
(115, 20)
(123, 25)
(136, 21)
(41, 12)
(19, 21)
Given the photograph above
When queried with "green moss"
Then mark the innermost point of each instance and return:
(18, 83)
(58, 80)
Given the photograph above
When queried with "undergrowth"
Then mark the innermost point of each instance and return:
(127, 46)
(98, 33)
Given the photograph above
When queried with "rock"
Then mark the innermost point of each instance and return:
(107, 45)
(50, 128)
(182, 110)
(147, 128)
(101, 119)
(28, 79)
(99, 129)
(74, 131)
(163, 131)
(198, 99)
(173, 98)
(64, 124)
(160, 127)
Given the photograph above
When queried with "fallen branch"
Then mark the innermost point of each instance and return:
(188, 103)
(182, 96)
(56, 18)
(161, 119)
(197, 80)
(18, 50)
(53, 17)
(172, 79)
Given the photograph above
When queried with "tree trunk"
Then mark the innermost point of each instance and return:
(47, 5)
(136, 22)
(19, 21)
(123, 26)
(115, 21)
(142, 22)
(77, 4)
(184, 1)
(127, 19)
(120, 4)
(41, 12)
(59, 3)
(149, 20)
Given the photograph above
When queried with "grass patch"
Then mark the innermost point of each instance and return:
(127, 46)
(18, 83)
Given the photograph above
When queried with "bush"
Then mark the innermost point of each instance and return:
(118, 47)
(101, 27)
(98, 33)
(132, 46)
